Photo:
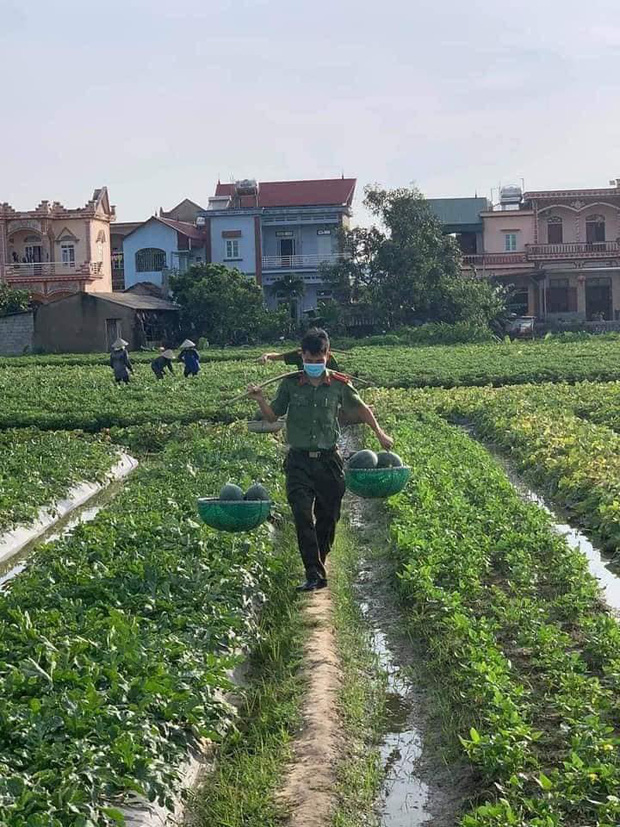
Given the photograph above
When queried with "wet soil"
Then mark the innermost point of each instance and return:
(421, 785)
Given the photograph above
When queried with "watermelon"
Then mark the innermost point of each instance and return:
(386, 459)
(257, 492)
(363, 459)
(230, 491)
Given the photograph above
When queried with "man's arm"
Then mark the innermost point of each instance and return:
(352, 402)
(278, 407)
(255, 393)
(270, 357)
(368, 418)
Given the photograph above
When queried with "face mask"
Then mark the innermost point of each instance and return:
(314, 369)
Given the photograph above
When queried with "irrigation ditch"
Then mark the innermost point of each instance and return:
(424, 780)
(562, 524)
(81, 504)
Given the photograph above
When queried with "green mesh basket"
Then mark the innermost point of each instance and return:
(233, 515)
(377, 482)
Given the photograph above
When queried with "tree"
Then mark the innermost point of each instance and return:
(292, 287)
(406, 269)
(13, 300)
(224, 306)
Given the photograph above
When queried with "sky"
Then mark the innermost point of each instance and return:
(157, 99)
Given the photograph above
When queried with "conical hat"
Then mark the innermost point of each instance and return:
(187, 343)
(119, 344)
(168, 354)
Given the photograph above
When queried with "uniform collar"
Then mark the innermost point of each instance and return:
(326, 378)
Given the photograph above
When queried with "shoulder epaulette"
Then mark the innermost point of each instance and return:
(341, 377)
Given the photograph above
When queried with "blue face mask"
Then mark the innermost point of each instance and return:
(314, 369)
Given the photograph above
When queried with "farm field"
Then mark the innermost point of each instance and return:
(117, 641)
(512, 363)
(39, 467)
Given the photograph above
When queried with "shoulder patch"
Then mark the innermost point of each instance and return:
(341, 377)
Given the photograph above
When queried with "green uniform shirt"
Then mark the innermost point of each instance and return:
(312, 422)
(294, 357)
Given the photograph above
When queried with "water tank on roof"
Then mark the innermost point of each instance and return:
(247, 186)
(510, 195)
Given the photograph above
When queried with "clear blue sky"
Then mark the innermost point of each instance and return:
(156, 99)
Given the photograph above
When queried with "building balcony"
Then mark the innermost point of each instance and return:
(309, 262)
(573, 250)
(484, 260)
(56, 270)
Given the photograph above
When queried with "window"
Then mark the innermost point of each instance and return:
(67, 255)
(510, 242)
(595, 229)
(232, 248)
(150, 260)
(554, 230)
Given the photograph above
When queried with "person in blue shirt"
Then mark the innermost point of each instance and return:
(190, 358)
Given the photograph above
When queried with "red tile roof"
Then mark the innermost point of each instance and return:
(326, 192)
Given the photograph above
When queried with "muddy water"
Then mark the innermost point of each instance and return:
(598, 565)
(419, 787)
(404, 795)
(11, 568)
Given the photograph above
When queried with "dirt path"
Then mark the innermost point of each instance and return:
(309, 788)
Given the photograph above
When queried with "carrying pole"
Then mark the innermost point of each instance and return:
(277, 379)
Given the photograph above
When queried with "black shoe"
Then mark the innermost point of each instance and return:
(312, 585)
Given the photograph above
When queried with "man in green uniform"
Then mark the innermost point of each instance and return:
(314, 467)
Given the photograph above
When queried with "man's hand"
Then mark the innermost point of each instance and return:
(385, 440)
(255, 392)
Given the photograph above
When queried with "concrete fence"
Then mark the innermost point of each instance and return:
(16, 334)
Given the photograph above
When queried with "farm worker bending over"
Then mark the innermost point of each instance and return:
(119, 361)
(190, 358)
(314, 468)
(293, 357)
(163, 361)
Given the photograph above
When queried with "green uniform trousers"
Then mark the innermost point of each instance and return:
(315, 488)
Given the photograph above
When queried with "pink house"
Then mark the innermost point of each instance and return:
(53, 251)
(558, 248)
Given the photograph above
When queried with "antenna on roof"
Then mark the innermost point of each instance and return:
(342, 174)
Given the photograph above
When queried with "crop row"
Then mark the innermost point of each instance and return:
(39, 467)
(514, 630)
(487, 364)
(116, 641)
(87, 397)
(542, 430)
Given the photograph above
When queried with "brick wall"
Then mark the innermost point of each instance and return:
(16, 333)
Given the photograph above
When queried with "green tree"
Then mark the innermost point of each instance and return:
(292, 288)
(12, 300)
(407, 269)
(224, 306)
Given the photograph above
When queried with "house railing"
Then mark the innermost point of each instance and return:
(579, 249)
(300, 262)
(494, 259)
(53, 269)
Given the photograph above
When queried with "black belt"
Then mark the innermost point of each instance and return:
(315, 454)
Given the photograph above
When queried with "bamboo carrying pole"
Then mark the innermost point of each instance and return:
(277, 379)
